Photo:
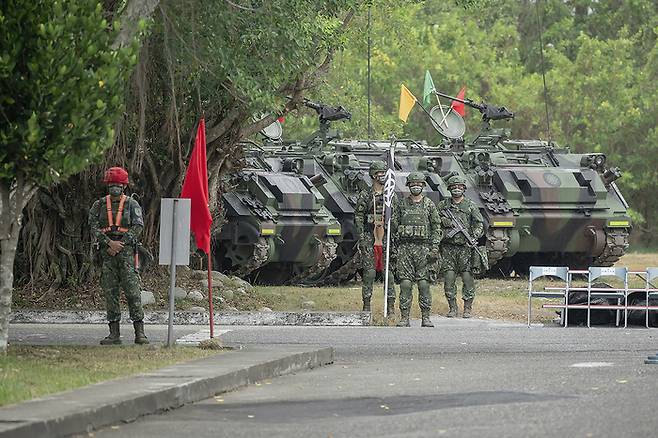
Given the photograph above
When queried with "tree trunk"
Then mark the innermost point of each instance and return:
(134, 11)
(12, 202)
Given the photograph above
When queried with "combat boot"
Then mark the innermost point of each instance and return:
(468, 308)
(366, 305)
(404, 319)
(114, 338)
(452, 312)
(426, 322)
(140, 337)
(390, 308)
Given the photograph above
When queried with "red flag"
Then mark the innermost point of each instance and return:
(458, 106)
(195, 188)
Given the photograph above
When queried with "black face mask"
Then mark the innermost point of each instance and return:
(115, 190)
(381, 179)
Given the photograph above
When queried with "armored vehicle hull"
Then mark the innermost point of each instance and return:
(542, 204)
(276, 228)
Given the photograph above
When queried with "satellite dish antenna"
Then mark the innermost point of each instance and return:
(273, 131)
(447, 122)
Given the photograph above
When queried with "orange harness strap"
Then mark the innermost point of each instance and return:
(114, 226)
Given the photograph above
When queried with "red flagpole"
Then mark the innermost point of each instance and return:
(212, 313)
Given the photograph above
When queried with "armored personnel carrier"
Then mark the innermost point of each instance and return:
(276, 228)
(542, 204)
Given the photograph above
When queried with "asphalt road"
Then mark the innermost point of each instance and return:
(462, 378)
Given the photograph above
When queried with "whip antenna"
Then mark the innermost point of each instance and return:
(543, 72)
(369, 47)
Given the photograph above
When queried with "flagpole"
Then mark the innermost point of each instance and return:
(210, 307)
(430, 116)
(445, 115)
(388, 249)
(388, 238)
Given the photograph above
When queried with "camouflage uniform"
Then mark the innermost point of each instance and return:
(364, 213)
(417, 236)
(117, 217)
(456, 255)
(119, 272)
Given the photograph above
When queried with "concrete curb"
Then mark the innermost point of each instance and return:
(123, 400)
(309, 318)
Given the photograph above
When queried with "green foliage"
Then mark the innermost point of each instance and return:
(252, 56)
(61, 87)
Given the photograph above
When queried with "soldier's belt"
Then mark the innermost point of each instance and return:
(443, 243)
(416, 241)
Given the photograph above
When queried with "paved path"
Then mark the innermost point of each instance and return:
(462, 378)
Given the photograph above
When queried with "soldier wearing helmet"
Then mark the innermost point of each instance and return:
(370, 227)
(116, 222)
(456, 254)
(417, 236)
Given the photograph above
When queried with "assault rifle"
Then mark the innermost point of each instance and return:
(458, 227)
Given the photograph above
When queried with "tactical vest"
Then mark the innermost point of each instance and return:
(375, 209)
(117, 225)
(414, 222)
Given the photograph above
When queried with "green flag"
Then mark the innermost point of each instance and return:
(428, 89)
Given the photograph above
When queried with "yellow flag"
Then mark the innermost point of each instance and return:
(407, 102)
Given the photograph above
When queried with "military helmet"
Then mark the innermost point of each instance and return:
(416, 177)
(455, 180)
(376, 167)
(115, 175)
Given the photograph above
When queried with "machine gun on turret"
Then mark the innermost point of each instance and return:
(489, 112)
(326, 115)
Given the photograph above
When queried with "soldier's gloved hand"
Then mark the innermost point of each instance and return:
(446, 223)
(114, 247)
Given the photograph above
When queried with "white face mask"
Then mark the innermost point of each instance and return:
(416, 190)
(457, 192)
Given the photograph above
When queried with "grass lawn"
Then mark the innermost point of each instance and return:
(27, 372)
(505, 299)
(496, 298)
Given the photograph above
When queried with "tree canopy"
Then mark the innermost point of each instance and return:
(61, 88)
(601, 65)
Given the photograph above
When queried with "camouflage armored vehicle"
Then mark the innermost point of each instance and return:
(276, 228)
(542, 204)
